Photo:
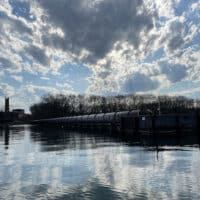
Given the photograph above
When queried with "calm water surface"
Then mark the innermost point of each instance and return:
(38, 163)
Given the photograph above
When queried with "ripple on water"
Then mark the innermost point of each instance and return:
(58, 164)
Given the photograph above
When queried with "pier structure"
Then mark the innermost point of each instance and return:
(131, 122)
(111, 120)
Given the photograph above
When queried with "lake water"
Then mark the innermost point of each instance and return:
(37, 163)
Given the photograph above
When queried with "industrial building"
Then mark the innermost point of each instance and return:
(15, 115)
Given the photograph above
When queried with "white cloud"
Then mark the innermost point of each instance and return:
(1, 73)
(111, 37)
(164, 8)
(45, 78)
(6, 90)
(17, 78)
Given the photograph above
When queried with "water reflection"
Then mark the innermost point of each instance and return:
(6, 137)
(44, 163)
(189, 138)
(59, 139)
(16, 132)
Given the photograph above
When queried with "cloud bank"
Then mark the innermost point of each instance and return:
(129, 45)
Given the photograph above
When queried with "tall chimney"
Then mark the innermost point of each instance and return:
(6, 104)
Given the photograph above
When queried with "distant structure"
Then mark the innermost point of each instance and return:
(12, 116)
(6, 116)
(19, 113)
(7, 109)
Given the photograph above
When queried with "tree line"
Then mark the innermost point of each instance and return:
(60, 105)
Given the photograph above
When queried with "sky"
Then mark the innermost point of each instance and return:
(102, 47)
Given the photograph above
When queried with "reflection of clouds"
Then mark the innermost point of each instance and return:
(80, 171)
(170, 175)
(116, 173)
(117, 169)
(91, 190)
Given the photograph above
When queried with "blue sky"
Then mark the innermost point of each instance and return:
(98, 47)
